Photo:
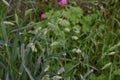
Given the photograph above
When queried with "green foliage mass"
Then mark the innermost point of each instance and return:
(68, 44)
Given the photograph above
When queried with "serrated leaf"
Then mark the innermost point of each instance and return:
(66, 14)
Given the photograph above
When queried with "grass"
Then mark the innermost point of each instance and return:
(69, 44)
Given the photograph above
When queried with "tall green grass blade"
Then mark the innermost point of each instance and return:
(6, 41)
(23, 62)
(14, 48)
(6, 3)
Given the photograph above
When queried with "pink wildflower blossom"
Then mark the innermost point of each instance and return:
(42, 16)
(62, 2)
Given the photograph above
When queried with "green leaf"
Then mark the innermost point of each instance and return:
(101, 77)
(23, 62)
(56, 77)
(16, 18)
(27, 12)
(46, 77)
(116, 74)
(6, 3)
(107, 65)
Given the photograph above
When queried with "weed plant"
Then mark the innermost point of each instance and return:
(68, 44)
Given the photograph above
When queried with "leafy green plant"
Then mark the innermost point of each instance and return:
(68, 44)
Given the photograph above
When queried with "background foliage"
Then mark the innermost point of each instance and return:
(77, 41)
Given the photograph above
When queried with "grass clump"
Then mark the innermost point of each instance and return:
(69, 43)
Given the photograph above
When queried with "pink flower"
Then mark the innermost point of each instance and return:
(42, 16)
(62, 2)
